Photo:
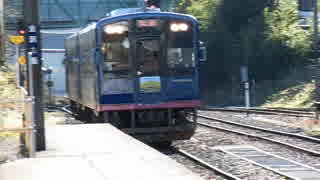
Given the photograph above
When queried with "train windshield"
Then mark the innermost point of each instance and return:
(148, 57)
(161, 46)
(177, 34)
(180, 52)
(116, 50)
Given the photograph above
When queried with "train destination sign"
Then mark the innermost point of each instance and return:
(17, 40)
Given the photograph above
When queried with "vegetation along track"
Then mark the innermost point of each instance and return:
(270, 111)
(302, 143)
(207, 165)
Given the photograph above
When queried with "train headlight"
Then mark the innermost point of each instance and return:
(174, 27)
(119, 29)
(183, 27)
(114, 29)
(109, 30)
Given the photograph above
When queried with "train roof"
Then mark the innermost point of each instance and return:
(136, 12)
(124, 11)
(84, 30)
(128, 13)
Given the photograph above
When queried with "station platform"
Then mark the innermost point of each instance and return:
(97, 152)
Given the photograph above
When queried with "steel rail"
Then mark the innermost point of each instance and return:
(262, 111)
(62, 109)
(311, 152)
(235, 110)
(293, 110)
(283, 110)
(65, 109)
(207, 165)
(311, 139)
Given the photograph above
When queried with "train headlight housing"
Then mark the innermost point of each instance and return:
(115, 29)
(176, 27)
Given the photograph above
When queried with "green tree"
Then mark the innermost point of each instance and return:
(263, 33)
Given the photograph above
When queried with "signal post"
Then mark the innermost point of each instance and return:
(18, 40)
(33, 55)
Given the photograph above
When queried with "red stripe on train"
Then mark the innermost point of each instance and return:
(177, 104)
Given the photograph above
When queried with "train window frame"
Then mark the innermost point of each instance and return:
(148, 62)
(116, 67)
(176, 41)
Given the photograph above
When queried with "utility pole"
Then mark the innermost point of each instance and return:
(244, 72)
(33, 53)
(316, 24)
(2, 51)
(315, 45)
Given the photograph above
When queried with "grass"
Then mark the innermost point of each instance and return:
(299, 96)
(8, 90)
(7, 86)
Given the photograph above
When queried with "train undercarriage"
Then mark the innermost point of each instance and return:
(148, 125)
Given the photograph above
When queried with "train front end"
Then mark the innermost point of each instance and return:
(149, 75)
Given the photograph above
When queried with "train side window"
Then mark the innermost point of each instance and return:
(70, 46)
(85, 44)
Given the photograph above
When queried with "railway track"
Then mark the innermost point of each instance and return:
(207, 165)
(284, 163)
(267, 111)
(283, 166)
(298, 142)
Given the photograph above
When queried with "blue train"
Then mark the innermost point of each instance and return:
(137, 69)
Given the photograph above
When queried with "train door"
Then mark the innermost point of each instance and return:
(148, 55)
